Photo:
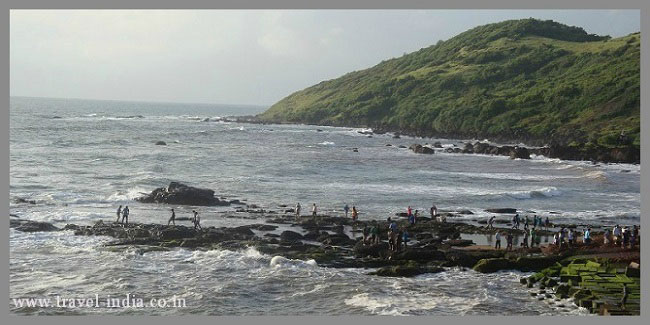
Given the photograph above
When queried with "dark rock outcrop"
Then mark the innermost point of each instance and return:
(418, 148)
(161, 143)
(31, 226)
(519, 152)
(502, 210)
(177, 193)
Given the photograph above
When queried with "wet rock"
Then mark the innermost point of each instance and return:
(407, 270)
(502, 210)
(289, 235)
(21, 200)
(490, 265)
(419, 254)
(418, 148)
(519, 152)
(31, 226)
(177, 193)
(437, 144)
(161, 143)
(374, 250)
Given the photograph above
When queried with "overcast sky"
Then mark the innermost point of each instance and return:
(232, 56)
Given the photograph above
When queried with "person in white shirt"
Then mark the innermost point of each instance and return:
(313, 210)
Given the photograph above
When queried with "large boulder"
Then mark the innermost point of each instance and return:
(176, 232)
(502, 210)
(31, 226)
(418, 148)
(177, 193)
(374, 250)
(520, 152)
(419, 254)
(289, 235)
(491, 265)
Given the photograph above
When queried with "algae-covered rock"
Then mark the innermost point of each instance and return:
(490, 265)
(409, 269)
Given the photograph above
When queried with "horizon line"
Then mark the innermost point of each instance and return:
(139, 101)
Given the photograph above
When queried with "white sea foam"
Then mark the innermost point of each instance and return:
(280, 261)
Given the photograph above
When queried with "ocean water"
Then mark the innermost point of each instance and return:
(80, 159)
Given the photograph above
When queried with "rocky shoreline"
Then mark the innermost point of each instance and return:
(551, 149)
(324, 239)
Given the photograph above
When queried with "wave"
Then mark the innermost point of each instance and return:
(546, 192)
(280, 261)
(326, 143)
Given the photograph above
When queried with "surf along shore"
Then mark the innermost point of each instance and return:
(593, 275)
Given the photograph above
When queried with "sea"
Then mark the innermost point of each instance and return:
(78, 160)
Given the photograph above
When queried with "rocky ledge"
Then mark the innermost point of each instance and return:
(325, 239)
(177, 193)
(597, 284)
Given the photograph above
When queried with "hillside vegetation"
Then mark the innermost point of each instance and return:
(526, 80)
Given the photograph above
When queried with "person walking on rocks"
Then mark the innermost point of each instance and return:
(125, 215)
(515, 221)
(298, 210)
(374, 234)
(346, 208)
(497, 243)
(313, 210)
(490, 222)
(119, 211)
(196, 220)
(525, 243)
(172, 219)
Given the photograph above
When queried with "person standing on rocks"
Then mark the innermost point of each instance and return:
(497, 242)
(509, 241)
(547, 224)
(409, 211)
(313, 210)
(405, 238)
(125, 215)
(298, 210)
(355, 213)
(626, 237)
(366, 234)
(172, 219)
(433, 211)
(346, 208)
(533, 240)
(587, 236)
(119, 211)
(196, 220)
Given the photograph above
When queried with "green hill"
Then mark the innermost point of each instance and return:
(527, 80)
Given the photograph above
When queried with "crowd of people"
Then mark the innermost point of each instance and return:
(624, 237)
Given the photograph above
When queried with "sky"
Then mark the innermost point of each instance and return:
(246, 57)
